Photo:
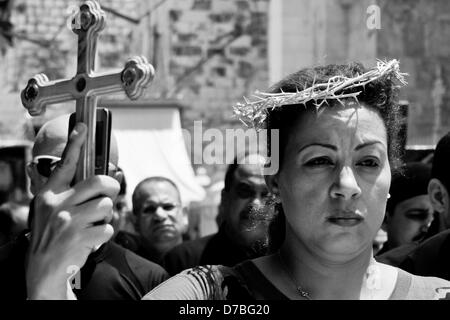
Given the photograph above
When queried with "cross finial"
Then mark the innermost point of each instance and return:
(86, 85)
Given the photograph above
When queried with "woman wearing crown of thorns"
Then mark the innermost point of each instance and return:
(338, 128)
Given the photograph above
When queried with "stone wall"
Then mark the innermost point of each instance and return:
(306, 33)
(218, 53)
(418, 33)
(46, 44)
(207, 53)
(211, 53)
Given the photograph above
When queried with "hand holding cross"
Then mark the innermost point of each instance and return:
(86, 85)
(65, 228)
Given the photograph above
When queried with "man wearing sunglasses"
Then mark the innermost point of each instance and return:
(244, 221)
(110, 272)
(160, 219)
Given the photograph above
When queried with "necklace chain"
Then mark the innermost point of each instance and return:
(299, 289)
(372, 273)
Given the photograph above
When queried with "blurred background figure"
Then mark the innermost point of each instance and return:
(13, 220)
(46, 152)
(122, 219)
(160, 219)
(409, 212)
(432, 256)
(243, 231)
(111, 272)
(6, 181)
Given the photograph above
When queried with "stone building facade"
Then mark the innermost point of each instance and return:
(210, 53)
(416, 32)
(207, 54)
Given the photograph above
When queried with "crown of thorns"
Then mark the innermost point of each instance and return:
(253, 112)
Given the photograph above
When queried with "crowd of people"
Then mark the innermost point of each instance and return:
(305, 232)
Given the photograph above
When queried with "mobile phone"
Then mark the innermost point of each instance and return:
(102, 138)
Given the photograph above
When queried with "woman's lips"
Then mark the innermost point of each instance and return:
(345, 218)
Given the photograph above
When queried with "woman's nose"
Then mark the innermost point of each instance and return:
(345, 186)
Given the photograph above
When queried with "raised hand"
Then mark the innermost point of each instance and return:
(69, 223)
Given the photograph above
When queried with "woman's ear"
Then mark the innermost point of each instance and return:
(439, 196)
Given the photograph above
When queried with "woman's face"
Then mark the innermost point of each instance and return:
(334, 180)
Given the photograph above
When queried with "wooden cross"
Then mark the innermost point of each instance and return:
(86, 85)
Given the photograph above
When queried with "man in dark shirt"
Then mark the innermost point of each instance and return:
(431, 257)
(160, 218)
(110, 272)
(243, 232)
(408, 211)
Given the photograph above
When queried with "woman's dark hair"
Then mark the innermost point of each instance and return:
(380, 95)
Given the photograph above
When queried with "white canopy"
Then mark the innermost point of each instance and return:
(151, 143)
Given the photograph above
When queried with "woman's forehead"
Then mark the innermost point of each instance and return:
(340, 124)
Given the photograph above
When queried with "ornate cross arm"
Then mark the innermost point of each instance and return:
(40, 91)
(87, 85)
(133, 79)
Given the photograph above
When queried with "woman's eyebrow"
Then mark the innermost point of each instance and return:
(318, 144)
(367, 144)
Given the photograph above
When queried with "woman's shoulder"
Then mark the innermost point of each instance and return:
(421, 288)
(198, 283)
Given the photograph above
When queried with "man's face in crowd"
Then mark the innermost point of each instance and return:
(410, 220)
(241, 206)
(160, 217)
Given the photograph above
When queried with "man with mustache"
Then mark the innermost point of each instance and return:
(409, 212)
(160, 219)
(244, 221)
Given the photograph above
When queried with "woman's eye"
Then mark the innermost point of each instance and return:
(321, 161)
(372, 163)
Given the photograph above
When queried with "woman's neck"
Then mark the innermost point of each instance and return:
(324, 278)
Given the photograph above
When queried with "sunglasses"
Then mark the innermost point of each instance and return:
(45, 165)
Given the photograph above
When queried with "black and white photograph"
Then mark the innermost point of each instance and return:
(247, 151)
